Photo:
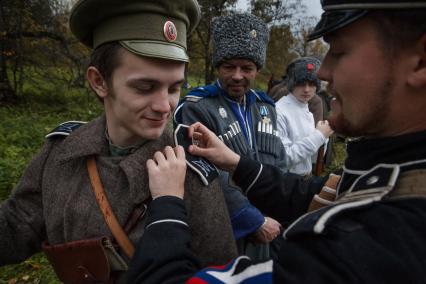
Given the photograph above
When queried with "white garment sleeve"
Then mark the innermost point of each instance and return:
(302, 149)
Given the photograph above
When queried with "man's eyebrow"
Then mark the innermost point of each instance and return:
(141, 81)
(151, 81)
(179, 82)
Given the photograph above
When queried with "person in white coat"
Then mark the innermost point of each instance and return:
(296, 126)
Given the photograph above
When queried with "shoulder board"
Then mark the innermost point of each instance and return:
(367, 189)
(195, 95)
(206, 171)
(317, 222)
(201, 92)
(370, 187)
(64, 129)
(262, 96)
(192, 98)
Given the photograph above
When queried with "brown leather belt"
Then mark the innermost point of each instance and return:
(109, 216)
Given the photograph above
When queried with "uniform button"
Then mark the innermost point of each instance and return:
(372, 180)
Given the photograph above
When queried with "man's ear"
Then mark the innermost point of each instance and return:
(417, 78)
(97, 82)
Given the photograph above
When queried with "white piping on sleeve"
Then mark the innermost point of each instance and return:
(167, 221)
(255, 179)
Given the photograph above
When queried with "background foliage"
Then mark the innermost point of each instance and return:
(22, 130)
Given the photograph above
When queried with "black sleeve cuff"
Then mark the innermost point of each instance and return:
(246, 172)
(166, 207)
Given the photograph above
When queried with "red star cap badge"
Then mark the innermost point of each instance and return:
(170, 32)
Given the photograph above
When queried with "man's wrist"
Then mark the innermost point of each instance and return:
(234, 163)
(264, 223)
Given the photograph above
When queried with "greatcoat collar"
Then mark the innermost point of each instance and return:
(90, 139)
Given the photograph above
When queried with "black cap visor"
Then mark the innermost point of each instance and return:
(334, 20)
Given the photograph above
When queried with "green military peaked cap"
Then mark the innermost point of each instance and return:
(340, 13)
(152, 28)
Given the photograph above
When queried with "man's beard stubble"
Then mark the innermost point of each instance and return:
(370, 126)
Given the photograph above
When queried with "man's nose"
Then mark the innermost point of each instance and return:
(161, 102)
(306, 87)
(237, 75)
(323, 72)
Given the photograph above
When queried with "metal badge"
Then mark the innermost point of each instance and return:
(264, 111)
(253, 33)
(170, 31)
(222, 112)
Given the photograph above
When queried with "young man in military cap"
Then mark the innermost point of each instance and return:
(243, 118)
(375, 230)
(296, 126)
(136, 70)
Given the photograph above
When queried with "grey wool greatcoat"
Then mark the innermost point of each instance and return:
(54, 201)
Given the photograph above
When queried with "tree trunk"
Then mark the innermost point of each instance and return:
(7, 94)
(207, 59)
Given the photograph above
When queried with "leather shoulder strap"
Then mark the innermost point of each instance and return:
(410, 184)
(327, 195)
(109, 216)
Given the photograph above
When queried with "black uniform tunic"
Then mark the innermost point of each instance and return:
(373, 234)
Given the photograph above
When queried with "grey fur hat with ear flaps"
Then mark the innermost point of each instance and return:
(239, 36)
(302, 70)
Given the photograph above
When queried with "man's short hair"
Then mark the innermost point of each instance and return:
(399, 29)
(106, 58)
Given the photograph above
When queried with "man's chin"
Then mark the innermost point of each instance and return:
(343, 127)
(153, 134)
(236, 94)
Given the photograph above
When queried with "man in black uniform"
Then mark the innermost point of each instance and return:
(375, 230)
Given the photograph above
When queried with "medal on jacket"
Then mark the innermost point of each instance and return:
(264, 111)
(266, 120)
(223, 113)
